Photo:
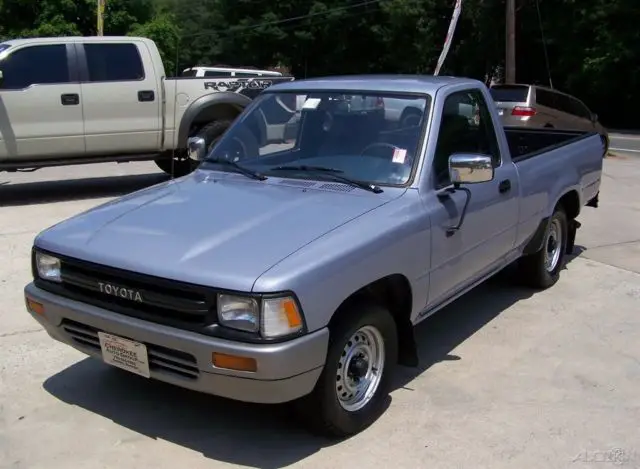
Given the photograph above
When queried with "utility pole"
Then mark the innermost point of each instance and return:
(100, 13)
(510, 59)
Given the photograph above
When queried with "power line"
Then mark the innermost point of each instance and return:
(544, 44)
(233, 30)
(286, 20)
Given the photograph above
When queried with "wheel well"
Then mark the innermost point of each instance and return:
(394, 293)
(222, 111)
(571, 204)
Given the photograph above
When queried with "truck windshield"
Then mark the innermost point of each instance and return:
(373, 137)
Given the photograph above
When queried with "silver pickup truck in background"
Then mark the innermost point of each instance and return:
(78, 100)
(294, 268)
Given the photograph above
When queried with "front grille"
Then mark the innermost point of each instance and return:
(161, 359)
(153, 299)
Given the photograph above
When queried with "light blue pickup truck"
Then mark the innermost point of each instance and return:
(292, 265)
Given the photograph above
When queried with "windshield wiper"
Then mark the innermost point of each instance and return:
(240, 169)
(332, 172)
(307, 168)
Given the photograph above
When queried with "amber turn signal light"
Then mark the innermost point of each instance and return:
(35, 307)
(234, 362)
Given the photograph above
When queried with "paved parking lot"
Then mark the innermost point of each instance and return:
(509, 378)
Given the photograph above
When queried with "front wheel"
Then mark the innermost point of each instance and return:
(353, 387)
(181, 164)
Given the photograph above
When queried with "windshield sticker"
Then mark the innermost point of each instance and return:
(311, 103)
(399, 155)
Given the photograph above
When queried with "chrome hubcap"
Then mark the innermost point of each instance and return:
(553, 246)
(360, 368)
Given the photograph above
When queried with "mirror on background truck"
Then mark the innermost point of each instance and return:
(1, 78)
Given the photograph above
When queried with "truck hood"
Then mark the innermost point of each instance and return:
(209, 229)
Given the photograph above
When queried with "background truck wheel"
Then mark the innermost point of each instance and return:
(181, 163)
(410, 117)
(353, 387)
(542, 269)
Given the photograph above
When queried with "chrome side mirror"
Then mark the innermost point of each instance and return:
(1, 78)
(197, 148)
(468, 168)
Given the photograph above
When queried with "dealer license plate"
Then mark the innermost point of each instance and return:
(124, 353)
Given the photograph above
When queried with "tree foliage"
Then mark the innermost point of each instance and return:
(591, 44)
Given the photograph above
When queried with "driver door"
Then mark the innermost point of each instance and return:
(488, 232)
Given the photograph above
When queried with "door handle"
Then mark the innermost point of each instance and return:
(504, 186)
(146, 95)
(71, 99)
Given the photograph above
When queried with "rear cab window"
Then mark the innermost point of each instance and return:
(510, 93)
(114, 62)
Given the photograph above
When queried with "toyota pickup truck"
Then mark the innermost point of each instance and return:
(332, 243)
(79, 100)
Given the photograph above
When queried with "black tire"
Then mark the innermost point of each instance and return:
(321, 411)
(181, 164)
(409, 116)
(533, 269)
(605, 143)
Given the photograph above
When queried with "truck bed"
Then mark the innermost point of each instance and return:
(527, 143)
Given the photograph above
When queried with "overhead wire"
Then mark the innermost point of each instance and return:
(544, 44)
(233, 30)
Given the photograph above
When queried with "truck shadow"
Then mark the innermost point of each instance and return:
(249, 435)
(31, 193)
(221, 429)
(441, 333)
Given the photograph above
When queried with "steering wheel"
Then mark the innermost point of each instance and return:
(378, 144)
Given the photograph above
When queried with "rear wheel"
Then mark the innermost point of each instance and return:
(352, 389)
(181, 164)
(410, 117)
(542, 269)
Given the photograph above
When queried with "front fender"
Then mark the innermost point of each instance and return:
(393, 239)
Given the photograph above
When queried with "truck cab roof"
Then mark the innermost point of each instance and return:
(72, 39)
(418, 84)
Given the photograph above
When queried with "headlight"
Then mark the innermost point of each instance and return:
(280, 317)
(239, 312)
(273, 317)
(48, 267)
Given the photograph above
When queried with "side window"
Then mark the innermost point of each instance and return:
(214, 74)
(466, 127)
(35, 65)
(580, 109)
(564, 103)
(247, 74)
(546, 98)
(114, 62)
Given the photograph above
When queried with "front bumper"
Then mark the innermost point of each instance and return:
(285, 371)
